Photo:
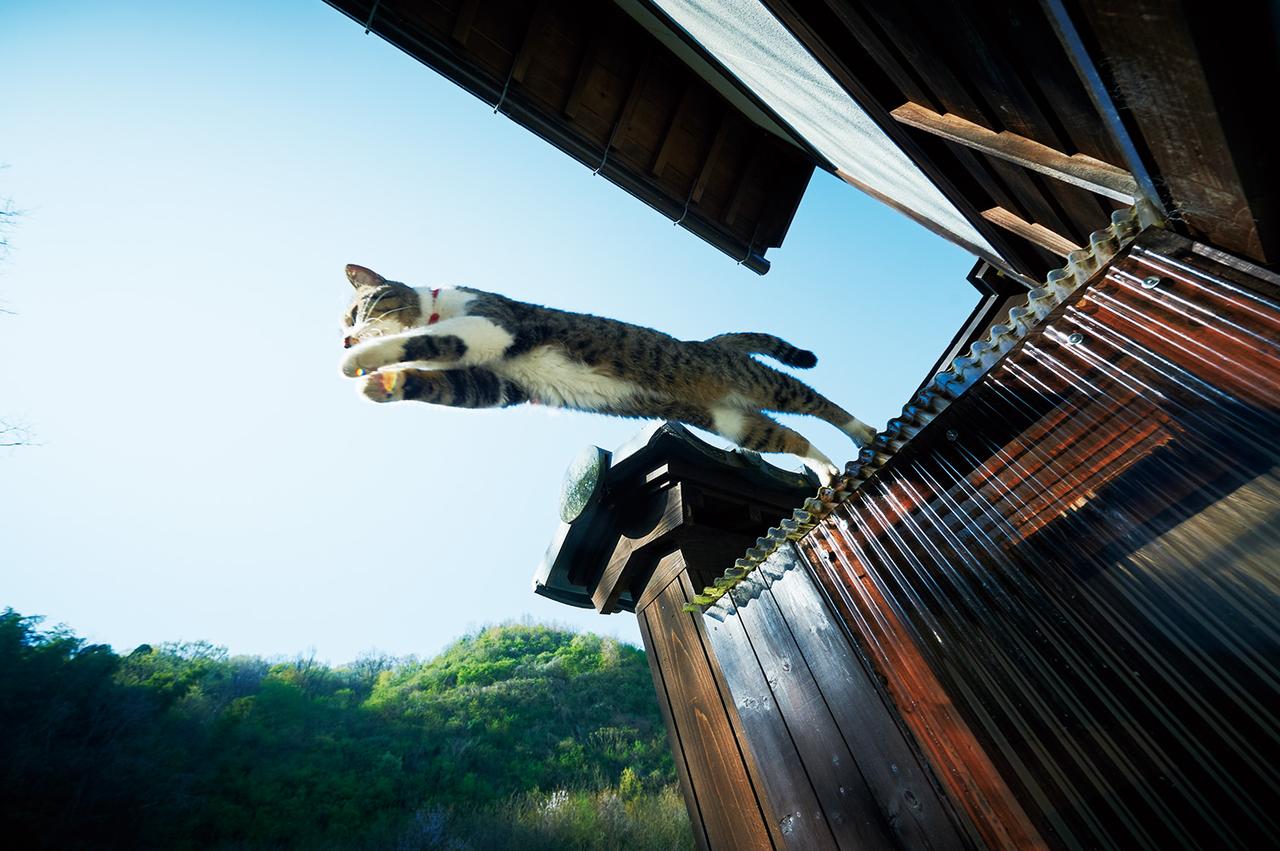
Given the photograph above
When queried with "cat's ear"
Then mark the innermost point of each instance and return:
(361, 277)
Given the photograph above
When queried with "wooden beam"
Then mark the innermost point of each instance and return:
(537, 24)
(730, 805)
(673, 732)
(629, 105)
(664, 150)
(1150, 49)
(466, 17)
(583, 74)
(1034, 233)
(623, 566)
(713, 154)
(1076, 169)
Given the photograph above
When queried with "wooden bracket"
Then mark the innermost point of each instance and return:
(624, 563)
(1076, 169)
(1030, 231)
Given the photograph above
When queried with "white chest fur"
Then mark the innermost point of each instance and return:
(553, 379)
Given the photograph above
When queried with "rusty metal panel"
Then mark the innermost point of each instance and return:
(1068, 582)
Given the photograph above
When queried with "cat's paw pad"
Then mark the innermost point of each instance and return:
(387, 386)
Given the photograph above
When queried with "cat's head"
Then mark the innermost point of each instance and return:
(380, 307)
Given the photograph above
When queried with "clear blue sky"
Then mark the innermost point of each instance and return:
(194, 178)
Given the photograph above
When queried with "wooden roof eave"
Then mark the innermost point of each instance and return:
(689, 219)
(585, 565)
(990, 110)
(1045, 118)
(742, 233)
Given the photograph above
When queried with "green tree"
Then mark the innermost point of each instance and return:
(512, 736)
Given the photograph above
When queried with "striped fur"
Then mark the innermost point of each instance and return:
(488, 351)
(767, 344)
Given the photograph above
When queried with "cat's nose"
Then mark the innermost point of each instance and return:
(348, 342)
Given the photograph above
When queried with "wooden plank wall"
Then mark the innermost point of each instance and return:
(723, 800)
(781, 738)
(1067, 583)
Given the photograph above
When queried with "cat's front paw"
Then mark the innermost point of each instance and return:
(386, 386)
(369, 357)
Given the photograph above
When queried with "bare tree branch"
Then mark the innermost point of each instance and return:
(11, 434)
(8, 215)
(14, 434)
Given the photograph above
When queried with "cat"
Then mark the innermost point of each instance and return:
(472, 349)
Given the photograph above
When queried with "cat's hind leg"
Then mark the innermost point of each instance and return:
(792, 396)
(456, 388)
(754, 430)
(743, 426)
(464, 341)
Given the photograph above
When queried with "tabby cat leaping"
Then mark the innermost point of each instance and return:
(472, 349)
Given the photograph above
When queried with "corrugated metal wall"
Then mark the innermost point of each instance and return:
(1068, 583)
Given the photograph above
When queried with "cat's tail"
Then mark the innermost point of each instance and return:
(766, 344)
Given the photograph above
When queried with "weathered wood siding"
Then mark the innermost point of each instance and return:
(1068, 584)
(838, 771)
(724, 803)
(780, 737)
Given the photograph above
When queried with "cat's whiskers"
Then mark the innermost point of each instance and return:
(361, 330)
(387, 313)
(366, 317)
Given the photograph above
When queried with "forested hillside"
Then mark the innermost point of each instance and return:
(517, 736)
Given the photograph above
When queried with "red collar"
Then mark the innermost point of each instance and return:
(435, 315)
